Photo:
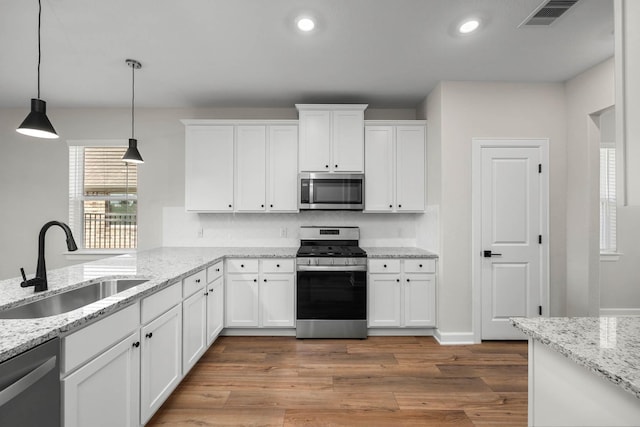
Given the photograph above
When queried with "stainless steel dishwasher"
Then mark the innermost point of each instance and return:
(30, 387)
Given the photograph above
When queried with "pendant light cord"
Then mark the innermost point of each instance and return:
(39, 50)
(133, 97)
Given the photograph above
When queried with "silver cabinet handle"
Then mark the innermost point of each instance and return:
(27, 381)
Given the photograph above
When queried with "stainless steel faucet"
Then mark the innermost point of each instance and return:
(39, 282)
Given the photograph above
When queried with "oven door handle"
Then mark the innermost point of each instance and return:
(332, 268)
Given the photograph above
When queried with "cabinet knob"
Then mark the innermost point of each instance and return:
(336, 166)
(270, 206)
(278, 265)
(211, 290)
(397, 280)
(262, 206)
(420, 265)
(326, 166)
(408, 280)
(255, 280)
(206, 294)
(197, 280)
(217, 269)
(385, 265)
(265, 280)
(149, 335)
(241, 265)
(399, 206)
(229, 205)
(136, 344)
(390, 206)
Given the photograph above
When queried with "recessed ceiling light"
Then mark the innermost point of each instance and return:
(469, 26)
(305, 24)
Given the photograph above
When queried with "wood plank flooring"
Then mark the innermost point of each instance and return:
(380, 381)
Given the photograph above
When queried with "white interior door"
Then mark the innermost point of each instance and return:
(512, 224)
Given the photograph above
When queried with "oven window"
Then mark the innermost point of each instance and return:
(337, 191)
(332, 295)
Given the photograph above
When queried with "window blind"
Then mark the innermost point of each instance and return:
(608, 199)
(106, 174)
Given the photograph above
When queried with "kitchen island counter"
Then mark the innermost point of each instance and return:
(559, 351)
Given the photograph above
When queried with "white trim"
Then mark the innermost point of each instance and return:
(98, 142)
(610, 256)
(400, 332)
(395, 122)
(238, 122)
(616, 312)
(259, 332)
(476, 221)
(333, 107)
(454, 338)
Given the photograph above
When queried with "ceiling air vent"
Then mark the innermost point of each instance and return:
(548, 12)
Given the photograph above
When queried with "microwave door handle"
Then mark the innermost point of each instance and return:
(311, 198)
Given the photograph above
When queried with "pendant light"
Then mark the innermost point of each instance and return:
(37, 124)
(133, 155)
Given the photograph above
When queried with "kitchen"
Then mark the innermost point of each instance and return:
(487, 109)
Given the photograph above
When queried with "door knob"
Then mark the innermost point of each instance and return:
(489, 254)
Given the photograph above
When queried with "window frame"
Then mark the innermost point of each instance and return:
(77, 196)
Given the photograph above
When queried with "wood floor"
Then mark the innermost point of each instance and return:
(380, 381)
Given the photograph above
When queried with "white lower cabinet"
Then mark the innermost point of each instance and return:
(106, 391)
(260, 293)
(161, 367)
(402, 293)
(194, 329)
(215, 309)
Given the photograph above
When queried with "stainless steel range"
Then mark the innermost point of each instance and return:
(331, 284)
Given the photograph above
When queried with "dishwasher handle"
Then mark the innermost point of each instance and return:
(27, 381)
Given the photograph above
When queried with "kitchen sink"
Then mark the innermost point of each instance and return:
(70, 300)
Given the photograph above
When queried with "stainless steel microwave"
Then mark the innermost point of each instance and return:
(331, 191)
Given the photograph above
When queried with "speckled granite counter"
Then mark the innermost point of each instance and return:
(607, 346)
(398, 252)
(162, 266)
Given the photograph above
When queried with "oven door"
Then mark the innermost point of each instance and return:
(324, 293)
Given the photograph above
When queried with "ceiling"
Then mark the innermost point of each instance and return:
(241, 53)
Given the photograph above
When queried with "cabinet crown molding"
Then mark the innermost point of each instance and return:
(239, 122)
(333, 107)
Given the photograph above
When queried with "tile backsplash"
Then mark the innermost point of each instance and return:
(182, 228)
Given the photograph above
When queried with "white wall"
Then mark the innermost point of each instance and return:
(34, 175)
(458, 112)
(587, 94)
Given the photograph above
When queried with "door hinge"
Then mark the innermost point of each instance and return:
(539, 167)
(540, 310)
(540, 238)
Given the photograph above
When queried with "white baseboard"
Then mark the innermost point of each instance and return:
(454, 338)
(258, 332)
(400, 332)
(613, 312)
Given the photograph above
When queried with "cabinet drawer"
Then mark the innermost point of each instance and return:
(156, 304)
(192, 283)
(277, 266)
(419, 265)
(215, 271)
(384, 266)
(88, 342)
(242, 265)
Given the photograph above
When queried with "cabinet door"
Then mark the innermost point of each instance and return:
(105, 391)
(242, 300)
(161, 367)
(379, 169)
(209, 168)
(348, 141)
(194, 329)
(251, 158)
(283, 169)
(384, 300)
(419, 300)
(315, 141)
(215, 309)
(277, 300)
(410, 168)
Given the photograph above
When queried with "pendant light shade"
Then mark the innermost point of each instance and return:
(37, 123)
(132, 154)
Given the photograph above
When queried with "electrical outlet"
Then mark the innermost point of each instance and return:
(283, 231)
(200, 232)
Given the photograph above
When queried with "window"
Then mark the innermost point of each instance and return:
(607, 198)
(103, 200)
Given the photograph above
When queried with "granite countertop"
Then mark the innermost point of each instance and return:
(398, 252)
(161, 266)
(607, 346)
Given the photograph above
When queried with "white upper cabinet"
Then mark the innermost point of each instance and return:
(331, 137)
(282, 179)
(209, 168)
(251, 155)
(241, 165)
(395, 166)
